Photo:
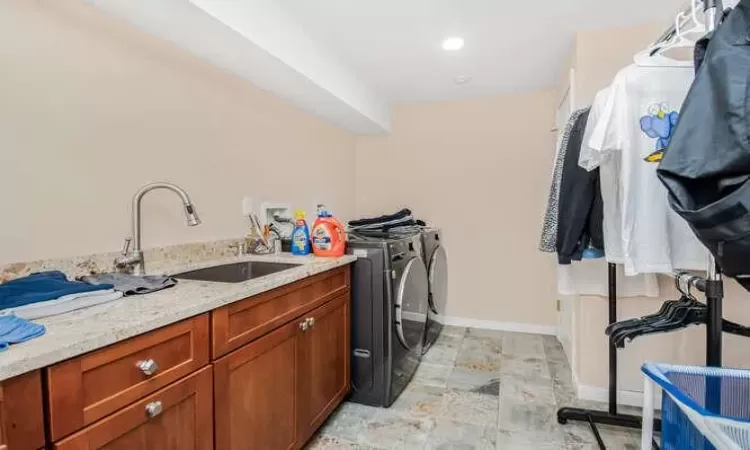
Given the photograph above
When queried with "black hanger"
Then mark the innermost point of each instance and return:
(681, 317)
(687, 298)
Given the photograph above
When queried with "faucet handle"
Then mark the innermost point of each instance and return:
(126, 247)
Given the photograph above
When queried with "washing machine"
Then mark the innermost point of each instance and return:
(436, 262)
(389, 315)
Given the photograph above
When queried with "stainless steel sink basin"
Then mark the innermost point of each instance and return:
(236, 272)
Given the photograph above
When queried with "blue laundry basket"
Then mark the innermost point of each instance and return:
(704, 408)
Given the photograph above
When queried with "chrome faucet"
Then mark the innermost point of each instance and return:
(132, 260)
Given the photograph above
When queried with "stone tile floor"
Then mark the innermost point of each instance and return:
(476, 389)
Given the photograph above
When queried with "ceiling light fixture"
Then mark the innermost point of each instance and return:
(452, 44)
(462, 80)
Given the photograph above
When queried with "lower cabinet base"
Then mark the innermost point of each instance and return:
(275, 392)
(278, 368)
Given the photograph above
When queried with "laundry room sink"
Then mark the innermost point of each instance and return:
(235, 272)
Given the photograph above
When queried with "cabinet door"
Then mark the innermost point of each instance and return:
(255, 388)
(21, 416)
(178, 417)
(323, 364)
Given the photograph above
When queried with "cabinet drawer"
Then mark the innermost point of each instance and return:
(177, 417)
(85, 389)
(243, 321)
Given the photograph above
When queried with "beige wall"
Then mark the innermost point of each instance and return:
(600, 54)
(479, 169)
(92, 109)
(597, 57)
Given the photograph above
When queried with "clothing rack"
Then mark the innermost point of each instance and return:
(713, 288)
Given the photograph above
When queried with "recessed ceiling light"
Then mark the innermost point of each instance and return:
(453, 43)
(462, 80)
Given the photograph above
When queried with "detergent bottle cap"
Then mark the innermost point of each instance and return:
(299, 214)
(322, 212)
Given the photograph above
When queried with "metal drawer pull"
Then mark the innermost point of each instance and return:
(310, 321)
(304, 325)
(148, 367)
(153, 409)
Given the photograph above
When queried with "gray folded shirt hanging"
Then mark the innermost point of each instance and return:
(131, 284)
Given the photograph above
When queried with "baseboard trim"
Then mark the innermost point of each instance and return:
(628, 398)
(500, 326)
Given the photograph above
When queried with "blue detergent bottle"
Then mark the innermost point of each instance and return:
(300, 235)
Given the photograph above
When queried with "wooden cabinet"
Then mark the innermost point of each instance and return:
(280, 367)
(85, 389)
(323, 365)
(255, 390)
(178, 417)
(241, 322)
(21, 413)
(276, 391)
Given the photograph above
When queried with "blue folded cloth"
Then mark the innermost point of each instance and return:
(42, 286)
(593, 253)
(14, 330)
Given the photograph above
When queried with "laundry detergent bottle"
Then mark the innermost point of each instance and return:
(328, 237)
(300, 235)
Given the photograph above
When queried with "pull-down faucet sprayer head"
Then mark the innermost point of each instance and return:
(192, 216)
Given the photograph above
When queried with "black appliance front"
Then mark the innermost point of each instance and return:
(370, 339)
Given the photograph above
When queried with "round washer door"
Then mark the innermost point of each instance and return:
(438, 276)
(411, 304)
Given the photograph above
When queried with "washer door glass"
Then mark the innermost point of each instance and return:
(438, 276)
(411, 304)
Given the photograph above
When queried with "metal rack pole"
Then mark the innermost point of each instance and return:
(612, 278)
(611, 416)
(714, 283)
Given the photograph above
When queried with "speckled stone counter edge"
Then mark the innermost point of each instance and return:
(78, 332)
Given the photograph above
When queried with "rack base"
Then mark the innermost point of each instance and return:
(594, 417)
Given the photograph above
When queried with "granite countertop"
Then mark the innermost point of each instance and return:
(82, 331)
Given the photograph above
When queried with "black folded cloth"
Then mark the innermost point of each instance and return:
(403, 214)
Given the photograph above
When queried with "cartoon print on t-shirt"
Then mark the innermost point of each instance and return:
(659, 124)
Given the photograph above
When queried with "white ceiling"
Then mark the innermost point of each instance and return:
(348, 61)
(395, 45)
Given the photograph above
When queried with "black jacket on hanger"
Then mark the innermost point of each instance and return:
(706, 167)
(579, 221)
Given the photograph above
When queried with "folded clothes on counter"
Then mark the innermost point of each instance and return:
(131, 284)
(40, 287)
(14, 330)
(62, 305)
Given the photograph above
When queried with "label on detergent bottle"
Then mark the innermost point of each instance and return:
(299, 240)
(321, 238)
(300, 237)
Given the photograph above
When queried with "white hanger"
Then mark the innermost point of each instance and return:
(679, 40)
(654, 56)
(698, 26)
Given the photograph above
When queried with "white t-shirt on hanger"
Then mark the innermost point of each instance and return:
(590, 278)
(637, 122)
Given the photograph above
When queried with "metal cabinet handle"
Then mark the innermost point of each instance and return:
(310, 321)
(304, 325)
(148, 366)
(153, 409)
